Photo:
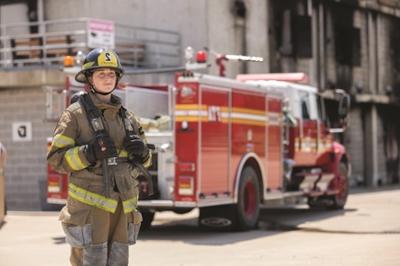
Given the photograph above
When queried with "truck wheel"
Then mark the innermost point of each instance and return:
(337, 201)
(148, 218)
(241, 216)
(248, 206)
(340, 199)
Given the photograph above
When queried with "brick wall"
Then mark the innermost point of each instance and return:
(26, 165)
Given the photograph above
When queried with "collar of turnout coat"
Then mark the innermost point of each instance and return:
(114, 105)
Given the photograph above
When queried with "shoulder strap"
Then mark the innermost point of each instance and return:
(96, 123)
(92, 113)
(130, 128)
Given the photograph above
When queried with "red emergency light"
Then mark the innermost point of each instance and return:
(201, 57)
(289, 77)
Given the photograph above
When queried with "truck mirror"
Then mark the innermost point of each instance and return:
(344, 103)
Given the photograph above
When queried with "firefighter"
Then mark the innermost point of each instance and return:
(99, 144)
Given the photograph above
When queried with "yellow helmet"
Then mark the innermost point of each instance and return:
(99, 58)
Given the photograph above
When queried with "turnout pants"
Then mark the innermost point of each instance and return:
(98, 237)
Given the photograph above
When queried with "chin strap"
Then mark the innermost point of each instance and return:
(92, 89)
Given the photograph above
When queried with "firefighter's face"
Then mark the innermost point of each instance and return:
(104, 79)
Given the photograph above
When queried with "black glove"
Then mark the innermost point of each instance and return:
(136, 148)
(101, 148)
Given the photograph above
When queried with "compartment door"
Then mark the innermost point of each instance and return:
(214, 141)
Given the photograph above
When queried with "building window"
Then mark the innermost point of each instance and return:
(302, 36)
(395, 56)
(292, 29)
(347, 45)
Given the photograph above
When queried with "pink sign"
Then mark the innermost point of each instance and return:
(100, 33)
(101, 25)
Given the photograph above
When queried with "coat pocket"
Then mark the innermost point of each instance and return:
(75, 213)
(123, 178)
(78, 236)
(134, 222)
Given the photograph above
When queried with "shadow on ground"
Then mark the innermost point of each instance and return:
(59, 240)
(2, 223)
(272, 221)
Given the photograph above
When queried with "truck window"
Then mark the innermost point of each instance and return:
(321, 108)
(305, 109)
(314, 115)
(309, 108)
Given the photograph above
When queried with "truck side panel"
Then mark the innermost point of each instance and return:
(275, 149)
(214, 142)
(248, 127)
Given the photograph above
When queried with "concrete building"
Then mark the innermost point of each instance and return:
(346, 44)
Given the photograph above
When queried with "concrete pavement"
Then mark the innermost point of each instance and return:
(367, 232)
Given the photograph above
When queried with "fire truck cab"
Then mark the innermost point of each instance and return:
(230, 146)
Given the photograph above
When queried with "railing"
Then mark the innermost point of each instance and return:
(137, 47)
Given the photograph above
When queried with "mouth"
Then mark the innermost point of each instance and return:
(109, 84)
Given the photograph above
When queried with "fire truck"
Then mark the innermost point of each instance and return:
(231, 146)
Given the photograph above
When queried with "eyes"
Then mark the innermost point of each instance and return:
(105, 75)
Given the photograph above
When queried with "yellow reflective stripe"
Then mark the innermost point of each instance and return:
(123, 153)
(130, 205)
(73, 159)
(191, 107)
(91, 198)
(87, 65)
(61, 141)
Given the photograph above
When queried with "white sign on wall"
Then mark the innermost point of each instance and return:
(21, 131)
(100, 33)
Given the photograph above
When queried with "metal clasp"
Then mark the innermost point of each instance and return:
(112, 161)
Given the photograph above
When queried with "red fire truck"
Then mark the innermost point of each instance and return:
(230, 146)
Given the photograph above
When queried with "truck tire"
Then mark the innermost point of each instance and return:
(340, 199)
(337, 201)
(241, 216)
(148, 218)
(248, 206)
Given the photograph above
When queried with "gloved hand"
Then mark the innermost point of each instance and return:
(136, 148)
(101, 148)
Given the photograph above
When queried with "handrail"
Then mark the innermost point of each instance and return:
(38, 35)
(139, 47)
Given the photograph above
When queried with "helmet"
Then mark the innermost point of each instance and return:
(99, 58)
